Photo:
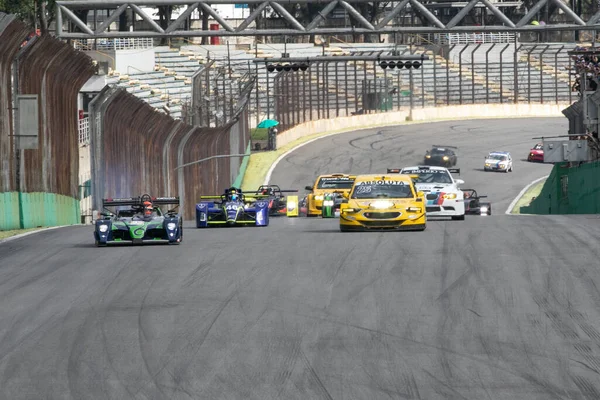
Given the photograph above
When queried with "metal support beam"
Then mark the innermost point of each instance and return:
(292, 27)
(408, 57)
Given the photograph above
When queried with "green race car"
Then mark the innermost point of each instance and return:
(141, 222)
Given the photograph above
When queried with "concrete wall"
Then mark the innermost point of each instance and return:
(126, 61)
(479, 111)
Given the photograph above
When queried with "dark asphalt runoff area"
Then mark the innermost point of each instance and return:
(502, 307)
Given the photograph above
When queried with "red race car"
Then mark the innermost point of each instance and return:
(536, 153)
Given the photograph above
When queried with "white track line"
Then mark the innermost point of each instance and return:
(20, 235)
(281, 157)
(522, 193)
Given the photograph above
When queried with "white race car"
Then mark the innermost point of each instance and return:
(498, 161)
(443, 198)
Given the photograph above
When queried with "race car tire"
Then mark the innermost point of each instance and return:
(458, 217)
(98, 244)
(489, 211)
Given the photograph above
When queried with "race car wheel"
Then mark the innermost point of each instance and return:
(489, 210)
(98, 244)
(458, 217)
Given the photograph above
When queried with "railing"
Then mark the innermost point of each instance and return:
(113, 44)
(84, 131)
(469, 38)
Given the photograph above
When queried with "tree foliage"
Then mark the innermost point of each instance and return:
(38, 14)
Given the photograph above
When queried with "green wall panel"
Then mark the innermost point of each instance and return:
(9, 211)
(37, 210)
(569, 190)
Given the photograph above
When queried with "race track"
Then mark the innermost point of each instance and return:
(500, 307)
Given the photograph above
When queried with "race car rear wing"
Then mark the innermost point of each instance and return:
(137, 201)
(275, 188)
(445, 147)
(454, 170)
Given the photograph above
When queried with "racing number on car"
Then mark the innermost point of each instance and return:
(364, 189)
(230, 207)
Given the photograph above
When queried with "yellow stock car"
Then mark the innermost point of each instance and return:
(332, 183)
(383, 202)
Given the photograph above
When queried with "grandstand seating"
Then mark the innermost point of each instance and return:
(541, 75)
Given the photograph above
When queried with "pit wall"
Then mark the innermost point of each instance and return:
(33, 210)
(569, 190)
(479, 111)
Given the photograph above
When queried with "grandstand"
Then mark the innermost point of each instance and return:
(456, 76)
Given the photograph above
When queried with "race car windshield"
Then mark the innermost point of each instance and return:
(430, 176)
(438, 152)
(497, 157)
(376, 191)
(538, 147)
(335, 183)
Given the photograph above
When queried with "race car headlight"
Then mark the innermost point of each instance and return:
(381, 204)
(350, 210)
(103, 228)
(483, 209)
(328, 203)
(531, 154)
(414, 209)
(487, 164)
(171, 226)
(318, 197)
(445, 158)
(427, 156)
(449, 196)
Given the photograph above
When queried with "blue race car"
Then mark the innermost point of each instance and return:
(141, 222)
(232, 208)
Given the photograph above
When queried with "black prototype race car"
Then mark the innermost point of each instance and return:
(276, 198)
(441, 156)
(474, 205)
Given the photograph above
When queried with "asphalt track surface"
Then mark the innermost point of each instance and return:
(499, 307)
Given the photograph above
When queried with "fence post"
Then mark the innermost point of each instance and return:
(529, 73)
(556, 72)
(542, 75)
(460, 74)
(487, 78)
(516, 72)
(473, 72)
(448, 74)
(501, 75)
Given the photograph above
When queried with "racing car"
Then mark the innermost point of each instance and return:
(474, 205)
(232, 208)
(334, 185)
(142, 221)
(443, 198)
(498, 161)
(277, 200)
(441, 156)
(536, 154)
(383, 202)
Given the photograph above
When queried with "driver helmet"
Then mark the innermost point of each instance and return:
(265, 191)
(148, 208)
(467, 195)
(234, 196)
